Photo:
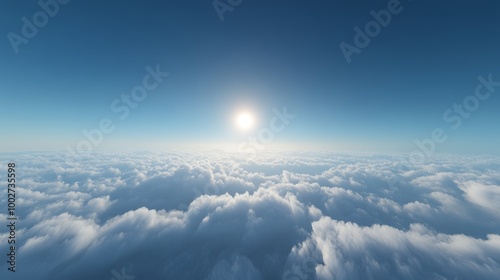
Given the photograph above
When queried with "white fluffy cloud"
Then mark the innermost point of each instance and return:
(349, 251)
(278, 216)
(487, 196)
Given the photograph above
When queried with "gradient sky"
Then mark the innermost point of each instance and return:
(264, 55)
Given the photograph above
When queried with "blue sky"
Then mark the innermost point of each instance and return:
(263, 55)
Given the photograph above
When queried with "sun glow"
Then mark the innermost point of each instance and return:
(244, 121)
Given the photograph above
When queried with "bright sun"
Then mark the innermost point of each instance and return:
(244, 121)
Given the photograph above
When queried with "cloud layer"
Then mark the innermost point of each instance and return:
(276, 216)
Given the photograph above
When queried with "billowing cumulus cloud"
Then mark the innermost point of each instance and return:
(275, 216)
(349, 251)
